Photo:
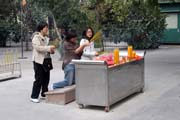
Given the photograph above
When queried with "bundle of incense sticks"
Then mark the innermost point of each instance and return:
(97, 36)
(54, 42)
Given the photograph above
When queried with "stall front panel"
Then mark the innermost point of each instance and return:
(91, 84)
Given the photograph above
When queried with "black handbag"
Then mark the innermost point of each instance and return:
(47, 64)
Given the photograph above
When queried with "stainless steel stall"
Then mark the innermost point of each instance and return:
(100, 85)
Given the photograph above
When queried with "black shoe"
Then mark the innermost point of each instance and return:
(43, 95)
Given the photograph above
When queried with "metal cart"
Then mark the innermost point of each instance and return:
(100, 85)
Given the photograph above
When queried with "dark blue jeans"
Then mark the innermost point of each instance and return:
(69, 77)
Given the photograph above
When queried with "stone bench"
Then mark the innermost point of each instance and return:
(61, 96)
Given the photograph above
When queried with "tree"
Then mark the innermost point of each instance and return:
(8, 21)
(67, 13)
(139, 23)
(5, 8)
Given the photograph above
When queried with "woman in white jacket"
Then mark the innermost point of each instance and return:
(41, 50)
(89, 51)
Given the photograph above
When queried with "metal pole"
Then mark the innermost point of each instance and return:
(21, 34)
(22, 56)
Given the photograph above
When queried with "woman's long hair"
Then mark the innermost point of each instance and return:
(85, 31)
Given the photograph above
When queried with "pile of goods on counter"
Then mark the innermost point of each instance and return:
(115, 58)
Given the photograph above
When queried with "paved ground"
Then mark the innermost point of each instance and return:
(160, 101)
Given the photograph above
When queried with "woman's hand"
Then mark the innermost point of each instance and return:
(52, 49)
(87, 43)
(96, 54)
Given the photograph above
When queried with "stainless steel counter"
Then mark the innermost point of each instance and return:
(100, 85)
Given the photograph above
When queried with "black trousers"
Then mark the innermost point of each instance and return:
(41, 81)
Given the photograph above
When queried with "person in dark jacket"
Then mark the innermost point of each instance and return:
(71, 51)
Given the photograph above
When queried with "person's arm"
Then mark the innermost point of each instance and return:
(81, 47)
(40, 48)
(89, 51)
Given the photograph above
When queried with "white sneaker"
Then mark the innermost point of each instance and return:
(34, 100)
(51, 87)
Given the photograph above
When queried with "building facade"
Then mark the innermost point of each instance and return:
(172, 9)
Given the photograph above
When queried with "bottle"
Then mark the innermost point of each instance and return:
(116, 56)
(133, 54)
(130, 49)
